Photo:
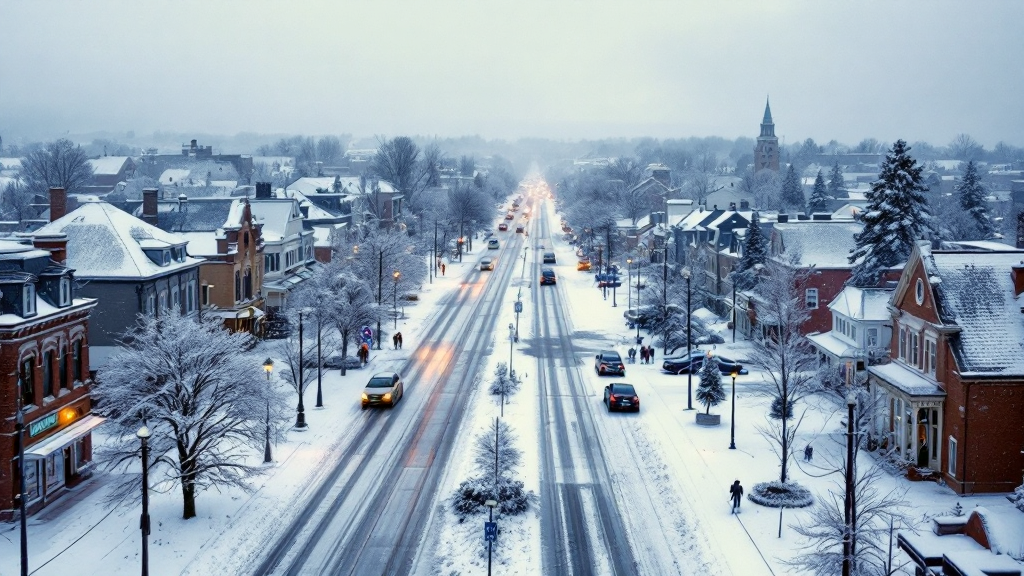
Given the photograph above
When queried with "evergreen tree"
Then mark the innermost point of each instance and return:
(819, 196)
(836, 188)
(896, 217)
(792, 191)
(755, 252)
(972, 199)
(710, 391)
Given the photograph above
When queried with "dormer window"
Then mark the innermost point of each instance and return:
(28, 300)
(65, 292)
(166, 258)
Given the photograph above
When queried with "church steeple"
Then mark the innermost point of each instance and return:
(767, 126)
(766, 153)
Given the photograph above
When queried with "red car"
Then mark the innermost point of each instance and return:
(503, 227)
(510, 216)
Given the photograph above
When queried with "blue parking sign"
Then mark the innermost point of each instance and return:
(490, 531)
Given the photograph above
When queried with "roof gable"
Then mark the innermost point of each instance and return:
(818, 243)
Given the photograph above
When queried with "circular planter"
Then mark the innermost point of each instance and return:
(708, 419)
(778, 495)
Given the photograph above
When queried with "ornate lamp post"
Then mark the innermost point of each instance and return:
(732, 423)
(629, 282)
(300, 415)
(143, 435)
(268, 367)
(396, 275)
(689, 340)
(380, 284)
(19, 432)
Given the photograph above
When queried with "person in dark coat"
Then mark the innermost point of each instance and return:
(632, 355)
(808, 453)
(399, 335)
(736, 495)
(394, 341)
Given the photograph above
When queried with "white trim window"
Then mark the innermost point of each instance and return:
(176, 300)
(951, 458)
(150, 304)
(915, 348)
(65, 291)
(163, 299)
(190, 298)
(28, 300)
(929, 356)
(811, 298)
(903, 343)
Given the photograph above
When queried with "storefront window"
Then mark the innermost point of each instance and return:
(32, 490)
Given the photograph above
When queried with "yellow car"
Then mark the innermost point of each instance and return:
(583, 265)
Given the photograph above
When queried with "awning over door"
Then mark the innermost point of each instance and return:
(65, 437)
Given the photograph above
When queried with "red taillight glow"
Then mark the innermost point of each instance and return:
(611, 398)
(636, 400)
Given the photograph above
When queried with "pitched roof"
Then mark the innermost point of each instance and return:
(192, 215)
(108, 165)
(974, 290)
(349, 185)
(818, 243)
(106, 242)
(862, 303)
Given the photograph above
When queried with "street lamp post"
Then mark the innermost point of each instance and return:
(689, 340)
(664, 296)
(380, 287)
(396, 275)
(268, 367)
(613, 274)
(300, 415)
(851, 403)
(319, 364)
(19, 431)
(732, 423)
(490, 520)
(143, 435)
(433, 255)
(629, 282)
(638, 302)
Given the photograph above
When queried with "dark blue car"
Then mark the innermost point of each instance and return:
(684, 364)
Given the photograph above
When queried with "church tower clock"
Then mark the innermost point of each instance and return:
(766, 153)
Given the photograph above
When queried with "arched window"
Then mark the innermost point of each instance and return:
(238, 286)
(76, 360)
(48, 374)
(27, 376)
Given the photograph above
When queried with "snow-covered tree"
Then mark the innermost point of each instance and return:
(203, 397)
(785, 356)
(819, 195)
(836, 186)
(503, 384)
(896, 217)
(349, 306)
(710, 391)
(755, 255)
(792, 195)
(764, 188)
(60, 163)
(496, 458)
(972, 199)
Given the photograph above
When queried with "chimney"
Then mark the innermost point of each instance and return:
(1017, 272)
(262, 190)
(783, 218)
(744, 205)
(58, 203)
(305, 211)
(57, 244)
(193, 145)
(662, 174)
(149, 198)
(182, 203)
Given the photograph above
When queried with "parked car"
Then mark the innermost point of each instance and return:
(510, 216)
(583, 265)
(609, 362)
(547, 276)
(503, 227)
(385, 388)
(621, 396)
(336, 361)
(519, 229)
(549, 257)
(683, 364)
(492, 244)
(487, 264)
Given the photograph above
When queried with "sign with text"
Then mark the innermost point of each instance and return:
(42, 425)
(490, 531)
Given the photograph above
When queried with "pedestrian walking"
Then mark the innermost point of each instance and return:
(808, 453)
(643, 354)
(736, 495)
(650, 354)
(364, 353)
(394, 341)
(442, 268)
(632, 355)
(399, 340)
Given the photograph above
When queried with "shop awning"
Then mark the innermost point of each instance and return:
(64, 438)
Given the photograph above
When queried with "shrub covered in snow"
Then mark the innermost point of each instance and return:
(470, 497)
(777, 495)
(1018, 498)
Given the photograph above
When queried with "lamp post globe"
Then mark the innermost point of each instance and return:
(268, 367)
(396, 275)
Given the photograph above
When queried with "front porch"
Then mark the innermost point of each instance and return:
(908, 414)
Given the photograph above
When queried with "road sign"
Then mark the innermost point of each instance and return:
(490, 531)
(519, 307)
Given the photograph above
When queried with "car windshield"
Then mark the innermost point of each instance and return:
(623, 389)
(380, 382)
(613, 357)
(548, 272)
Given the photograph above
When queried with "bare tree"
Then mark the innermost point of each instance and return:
(965, 148)
(765, 188)
(700, 178)
(200, 393)
(400, 162)
(627, 170)
(60, 164)
(17, 202)
(632, 203)
(787, 359)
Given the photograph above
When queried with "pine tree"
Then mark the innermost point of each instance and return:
(710, 391)
(972, 199)
(792, 191)
(836, 188)
(819, 196)
(755, 252)
(896, 217)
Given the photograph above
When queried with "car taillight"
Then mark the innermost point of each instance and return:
(611, 398)
(636, 400)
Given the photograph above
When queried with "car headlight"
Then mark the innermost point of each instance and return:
(365, 398)
(387, 397)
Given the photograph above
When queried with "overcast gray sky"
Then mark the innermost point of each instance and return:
(919, 70)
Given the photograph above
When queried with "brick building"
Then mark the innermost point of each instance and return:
(952, 399)
(44, 363)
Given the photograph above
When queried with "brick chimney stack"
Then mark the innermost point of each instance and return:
(262, 190)
(56, 244)
(149, 201)
(1017, 272)
(58, 203)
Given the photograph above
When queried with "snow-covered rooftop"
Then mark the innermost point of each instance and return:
(107, 242)
(862, 303)
(107, 165)
(819, 243)
(906, 379)
(349, 185)
(201, 243)
(976, 293)
(274, 214)
(173, 176)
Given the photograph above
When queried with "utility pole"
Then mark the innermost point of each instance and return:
(380, 285)
(19, 427)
